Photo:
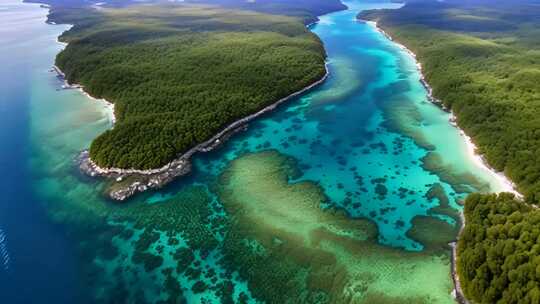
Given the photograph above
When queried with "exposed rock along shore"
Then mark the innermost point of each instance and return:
(132, 181)
(458, 291)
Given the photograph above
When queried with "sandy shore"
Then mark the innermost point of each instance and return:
(423, 81)
(109, 106)
(506, 185)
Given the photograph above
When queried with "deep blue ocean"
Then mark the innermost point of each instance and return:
(40, 263)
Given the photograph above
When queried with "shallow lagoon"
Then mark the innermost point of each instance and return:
(358, 142)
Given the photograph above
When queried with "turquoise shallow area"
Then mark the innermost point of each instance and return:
(361, 136)
(338, 134)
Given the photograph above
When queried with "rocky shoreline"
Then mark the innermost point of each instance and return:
(128, 182)
(458, 291)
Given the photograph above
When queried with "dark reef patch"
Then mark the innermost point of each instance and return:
(435, 234)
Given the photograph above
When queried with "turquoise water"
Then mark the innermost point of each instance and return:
(362, 136)
(339, 136)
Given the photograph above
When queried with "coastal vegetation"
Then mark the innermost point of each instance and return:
(178, 74)
(482, 60)
(266, 231)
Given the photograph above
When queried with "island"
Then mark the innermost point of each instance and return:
(481, 60)
(182, 79)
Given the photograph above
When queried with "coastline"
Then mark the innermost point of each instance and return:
(423, 81)
(109, 106)
(506, 183)
(158, 177)
(66, 86)
(206, 146)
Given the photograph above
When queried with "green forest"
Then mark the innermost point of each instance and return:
(482, 59)
(499, 250)
(178, 74)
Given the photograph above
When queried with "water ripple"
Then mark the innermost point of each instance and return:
(4, 254)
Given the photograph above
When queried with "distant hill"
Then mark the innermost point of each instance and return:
(305, 9)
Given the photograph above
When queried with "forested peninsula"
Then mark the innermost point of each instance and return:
(482, 60)
(179, 74)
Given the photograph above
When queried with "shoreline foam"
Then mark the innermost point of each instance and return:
(109, 106)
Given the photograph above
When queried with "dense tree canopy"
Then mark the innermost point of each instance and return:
(179, 74)
(499, 250)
